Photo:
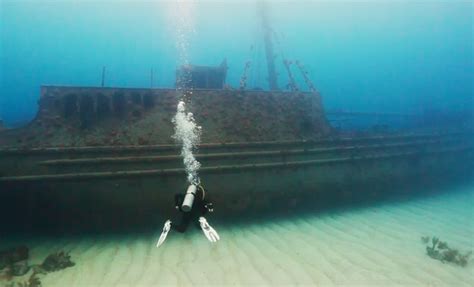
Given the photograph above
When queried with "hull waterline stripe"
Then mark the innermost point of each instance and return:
(98, 149)
(217, 169)
(143, 159)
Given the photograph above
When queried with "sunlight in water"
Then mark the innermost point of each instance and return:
(181, 16)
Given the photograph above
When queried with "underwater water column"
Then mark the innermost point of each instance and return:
(186, 131)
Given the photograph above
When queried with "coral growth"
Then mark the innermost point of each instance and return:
(55, 262)
(440, 250)
(13, 255)
(33, 281)
(14, 263)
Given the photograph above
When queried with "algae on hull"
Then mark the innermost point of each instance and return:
(80, 116)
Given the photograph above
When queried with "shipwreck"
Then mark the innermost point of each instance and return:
(106, 154)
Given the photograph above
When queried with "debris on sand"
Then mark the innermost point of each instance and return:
(56, 262)
(439, 250)
(14, 263)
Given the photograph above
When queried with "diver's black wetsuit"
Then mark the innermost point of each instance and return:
(201, 206)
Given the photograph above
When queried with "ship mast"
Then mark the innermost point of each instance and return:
(267, 38)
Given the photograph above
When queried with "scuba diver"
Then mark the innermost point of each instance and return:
(192, 206)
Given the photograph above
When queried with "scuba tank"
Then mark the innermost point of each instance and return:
(189, 198)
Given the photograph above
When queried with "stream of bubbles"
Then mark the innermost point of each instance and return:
(186, 131)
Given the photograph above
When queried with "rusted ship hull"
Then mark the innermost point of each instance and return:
(132, 182)
(136, 183)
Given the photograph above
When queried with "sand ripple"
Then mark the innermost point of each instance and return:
(377, 246)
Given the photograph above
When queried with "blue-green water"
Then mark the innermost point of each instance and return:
(393, 57)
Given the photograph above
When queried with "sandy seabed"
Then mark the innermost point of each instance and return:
(372, 246)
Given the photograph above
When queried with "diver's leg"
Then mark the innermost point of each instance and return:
(183, 223)
(197, 223)
(164, 233)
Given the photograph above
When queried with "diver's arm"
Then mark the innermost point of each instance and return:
(178, 200)
(204, 202)
(205, 208)
(209, 206)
